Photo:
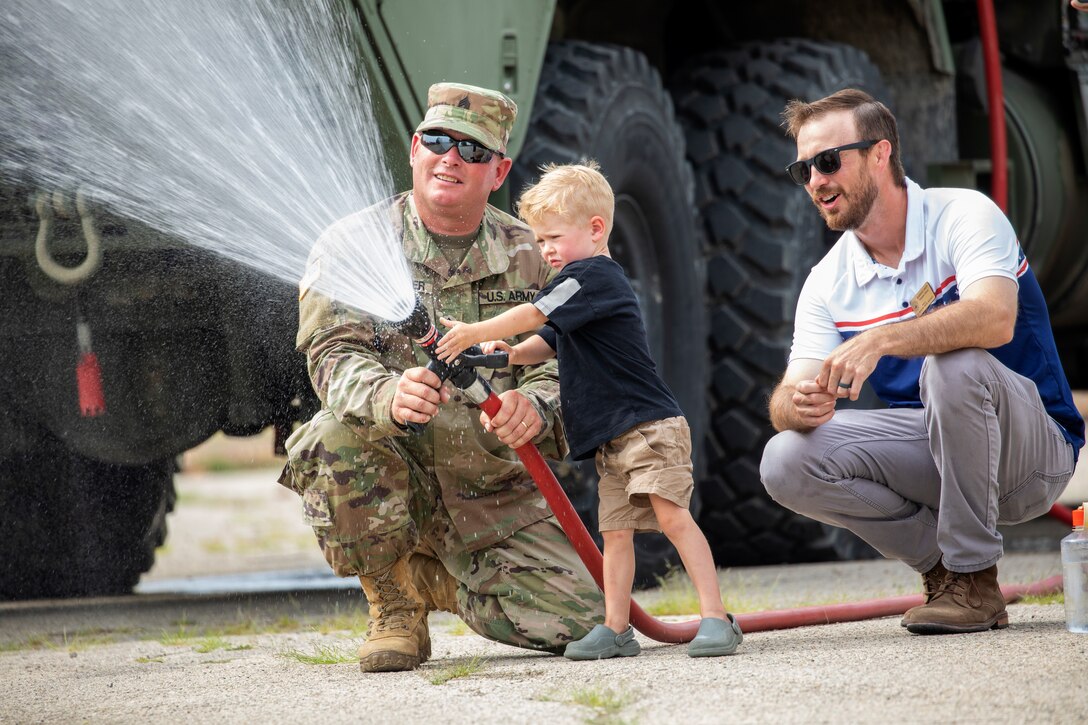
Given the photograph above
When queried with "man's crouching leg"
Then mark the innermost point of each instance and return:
(530, 590)
(356, 495)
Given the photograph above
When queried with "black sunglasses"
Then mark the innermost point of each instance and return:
(827, 162)
(471, 152)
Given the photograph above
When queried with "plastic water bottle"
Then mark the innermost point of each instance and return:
(1075, 575)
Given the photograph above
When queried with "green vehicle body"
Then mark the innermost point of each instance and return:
(717, 245)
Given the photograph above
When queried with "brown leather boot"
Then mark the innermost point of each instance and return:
(931, 585)
(397, 638)
(965, 603)
(437, 587)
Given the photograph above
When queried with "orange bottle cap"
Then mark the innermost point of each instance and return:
(1078, 517)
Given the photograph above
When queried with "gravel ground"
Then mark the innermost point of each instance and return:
(859, 672)
(226, 657)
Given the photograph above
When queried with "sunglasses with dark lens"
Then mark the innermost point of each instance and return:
(827, 162)
(471, 152)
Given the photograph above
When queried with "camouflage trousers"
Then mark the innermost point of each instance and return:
(370, 504)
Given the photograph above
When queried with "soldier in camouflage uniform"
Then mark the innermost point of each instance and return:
(450, 519)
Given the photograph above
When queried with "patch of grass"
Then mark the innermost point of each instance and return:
(250, 627)
(604, 700)
(1055, 598)
(675, 595)
(214, 642)
(82, 641)
(180, 637)
(606, 703)
(74, 641)
(210, 644)
(183, 620)
(207, 639)
(35, 642)
(353, 622)
(465, 668)
(148, 660)
(323, 655)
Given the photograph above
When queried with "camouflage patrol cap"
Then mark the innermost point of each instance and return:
(481, 114)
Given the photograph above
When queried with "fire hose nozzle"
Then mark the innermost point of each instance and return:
(417, 325)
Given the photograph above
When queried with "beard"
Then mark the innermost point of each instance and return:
(860, 204)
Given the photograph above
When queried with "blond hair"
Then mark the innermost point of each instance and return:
(575, 192)
(871, 117)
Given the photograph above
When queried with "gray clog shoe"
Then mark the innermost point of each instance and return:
(716, 638)
(602, 643)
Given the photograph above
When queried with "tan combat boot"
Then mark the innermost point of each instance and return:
(932, 581)
(397, 638)
(965, 603)
(435, 584)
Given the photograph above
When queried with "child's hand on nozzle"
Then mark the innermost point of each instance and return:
(492, 345)
(454, 342)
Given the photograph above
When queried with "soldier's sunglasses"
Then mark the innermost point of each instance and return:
(471, 152)
(827, 162)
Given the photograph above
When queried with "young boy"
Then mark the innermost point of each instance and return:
(615, 405)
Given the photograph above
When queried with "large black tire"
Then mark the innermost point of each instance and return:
(608, 103)
(762, 237)
(70, 526)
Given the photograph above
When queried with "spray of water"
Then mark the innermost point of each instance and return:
(243, 127)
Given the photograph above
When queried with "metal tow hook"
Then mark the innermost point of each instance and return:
(46, 205)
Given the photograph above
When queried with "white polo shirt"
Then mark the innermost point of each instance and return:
(954, 237)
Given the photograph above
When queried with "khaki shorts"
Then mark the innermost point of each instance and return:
(652, 457)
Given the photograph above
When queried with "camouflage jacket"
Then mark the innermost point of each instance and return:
(354, 361)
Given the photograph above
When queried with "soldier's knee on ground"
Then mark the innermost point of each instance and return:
(546, 630)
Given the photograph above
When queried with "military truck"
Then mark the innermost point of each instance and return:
(680, 104)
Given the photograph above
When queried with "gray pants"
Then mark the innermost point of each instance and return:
(924, 484)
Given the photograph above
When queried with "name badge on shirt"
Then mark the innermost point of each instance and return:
(506, 296)
(922, 299)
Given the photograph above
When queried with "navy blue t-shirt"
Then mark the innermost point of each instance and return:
(608, 382)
